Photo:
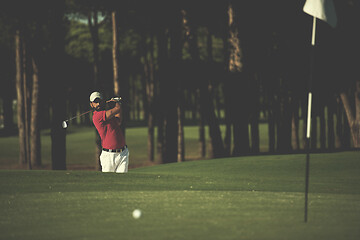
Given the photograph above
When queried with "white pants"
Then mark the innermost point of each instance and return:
(114, 161)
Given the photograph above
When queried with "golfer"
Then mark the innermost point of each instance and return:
(115, 154)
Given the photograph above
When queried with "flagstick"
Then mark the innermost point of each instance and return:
(313, 32)
(309, 120)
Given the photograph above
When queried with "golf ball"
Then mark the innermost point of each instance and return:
(136, 213)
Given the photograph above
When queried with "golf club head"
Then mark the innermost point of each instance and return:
(64, 124)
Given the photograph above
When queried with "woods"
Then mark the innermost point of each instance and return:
(209, 64)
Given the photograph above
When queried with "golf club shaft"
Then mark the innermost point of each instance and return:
(78, 115)
(116, 99)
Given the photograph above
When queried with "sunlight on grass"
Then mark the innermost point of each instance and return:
(252, 197)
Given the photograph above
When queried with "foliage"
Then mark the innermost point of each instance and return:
(78, 41)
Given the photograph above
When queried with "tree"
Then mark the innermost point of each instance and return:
(7, 73)
(236, 83)
(57, 56)
(171, 86)
(90, 10)
(30, 33)
(162, 42)
(22, 85)
(94, 30)
(191, 37)
(36, 53)
(353, 117)
(265, 66)
(35, 151)
(150, 92)
(20, 95)
(348, 38)
(115, 53)
(204, 73)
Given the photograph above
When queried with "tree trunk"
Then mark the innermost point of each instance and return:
(322, 126)
(94, 30)
(339, 124)
(202, 142)
(181, 142)
(353, 118)
(58, 134)
(226, 87)
(20, 96)
(346, 134)
(237, 82)
(207, 106)
(132, 90)
(271, 132)
(235, 66)
(330, 120)
(304, 119)
(161, 100)
(149, 94)
(170, 86)
(240, 117)
(115, 53)
(255, 111)
(295, 125)
(8, 112)
(192, 39)
(160, 146)
(34, 127)
(314, 127)
(284, 125)
(151, 138)
(151, 90)
(227, 138)
(57, 53)
(26, 97)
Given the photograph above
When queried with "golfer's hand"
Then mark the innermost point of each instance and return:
(116, 99)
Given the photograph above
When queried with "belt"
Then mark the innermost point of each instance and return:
(115, 150)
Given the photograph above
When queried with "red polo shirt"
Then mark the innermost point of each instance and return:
(110, 132)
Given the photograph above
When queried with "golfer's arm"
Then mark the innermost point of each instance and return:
(119, 116)
(113, 112)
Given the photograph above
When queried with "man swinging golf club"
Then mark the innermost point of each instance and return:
(115, 154)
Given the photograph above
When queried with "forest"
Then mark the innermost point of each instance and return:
(236, 63)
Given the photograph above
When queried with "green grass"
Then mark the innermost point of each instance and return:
(258, 197)
(80, 147)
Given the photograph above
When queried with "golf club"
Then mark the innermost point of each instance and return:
(65, 122)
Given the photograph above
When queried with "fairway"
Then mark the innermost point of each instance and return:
(257, 197)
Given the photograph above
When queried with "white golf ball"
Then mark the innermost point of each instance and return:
(136, 213)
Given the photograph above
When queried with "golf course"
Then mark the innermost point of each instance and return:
(180, 120)
(250, 197)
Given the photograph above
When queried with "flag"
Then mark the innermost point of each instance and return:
(322, 9)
